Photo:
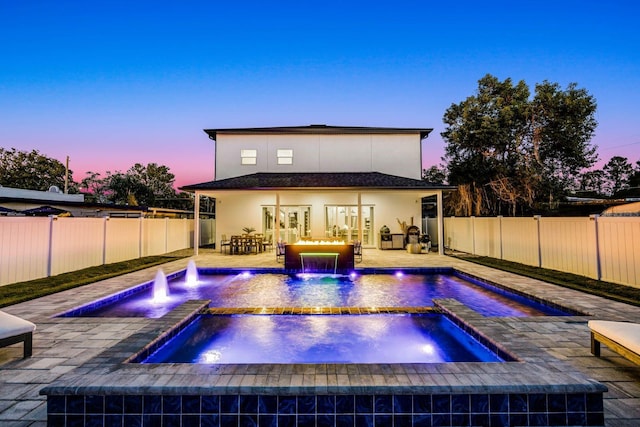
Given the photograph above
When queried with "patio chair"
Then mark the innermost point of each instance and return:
(357, 251)
(224, 243)
(280, 251)
(235, 245)
(267, 243)
(253, 244)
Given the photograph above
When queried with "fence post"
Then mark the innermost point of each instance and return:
(500, 235)
(50, 248)
(473, 234)
(166, 235)
(140, 236)
(537, 219)
(104, 240)
(185, 230)
(594, 218)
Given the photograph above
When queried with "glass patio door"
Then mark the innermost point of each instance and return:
(295, 222)
(341, 222)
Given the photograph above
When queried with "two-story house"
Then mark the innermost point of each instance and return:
(318, 182)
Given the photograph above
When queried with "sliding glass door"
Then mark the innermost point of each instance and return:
(295, 222)
(341, 222)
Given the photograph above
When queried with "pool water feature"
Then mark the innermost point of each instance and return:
(160, 288)
(245, 289)
(395, 338)
(191, 274)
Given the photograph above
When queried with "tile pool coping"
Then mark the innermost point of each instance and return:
(538, 387)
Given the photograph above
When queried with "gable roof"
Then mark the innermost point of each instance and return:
(320, 129)
(317, 180)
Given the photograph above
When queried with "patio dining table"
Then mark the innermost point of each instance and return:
(246, 244)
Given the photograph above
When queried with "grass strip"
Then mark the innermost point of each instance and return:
(25, 291)
(613, 291)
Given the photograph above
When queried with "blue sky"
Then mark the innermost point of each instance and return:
(114, 83)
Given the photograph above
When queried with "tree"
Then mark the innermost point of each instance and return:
(435, 174)
(634, 179)
(140, 185)
(617, 173)
(562, 124)
(32, 170)
(156, 178)
(592, 183)
(95, 188)
(506, 148)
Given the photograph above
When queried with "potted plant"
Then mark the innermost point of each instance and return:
(248, 230)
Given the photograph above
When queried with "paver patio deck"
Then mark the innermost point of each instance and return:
(63, 344)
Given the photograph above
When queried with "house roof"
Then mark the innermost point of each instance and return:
(320, 129)
(317, 180)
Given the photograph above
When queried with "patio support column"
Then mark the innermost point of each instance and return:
(276, 218)
(440, 210)
(360, 232)
(196, 224)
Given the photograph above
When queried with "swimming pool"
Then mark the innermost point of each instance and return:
(235, 289)
(535, 390)
(396, 338)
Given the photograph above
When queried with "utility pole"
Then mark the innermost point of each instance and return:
(66, 177)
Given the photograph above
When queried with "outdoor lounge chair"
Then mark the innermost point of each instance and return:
(621, 337)
(14, 330)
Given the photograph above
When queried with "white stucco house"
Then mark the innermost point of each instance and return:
(318, 181)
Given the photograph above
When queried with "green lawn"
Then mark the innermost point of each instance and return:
(613, 291)
(24, 291)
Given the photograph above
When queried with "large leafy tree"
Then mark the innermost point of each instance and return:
(435, 174)
(32, 170)
(634, 179)
(506, 149)
(94, 188)
(618, 172)
(140, 185)
(592, 183)
(562, 125)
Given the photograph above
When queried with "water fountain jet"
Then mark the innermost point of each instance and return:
(160, 287)
(192, 274)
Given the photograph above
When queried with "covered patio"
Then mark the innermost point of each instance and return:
(292, 206)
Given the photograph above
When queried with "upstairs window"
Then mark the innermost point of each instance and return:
(285, 157)
(248, 157)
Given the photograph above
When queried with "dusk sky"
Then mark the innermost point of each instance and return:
(110, 84)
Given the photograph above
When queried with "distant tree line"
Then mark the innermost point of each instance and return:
(511, 153)
(145, 185)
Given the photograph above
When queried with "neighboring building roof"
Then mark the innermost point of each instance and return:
(329, 180)
(109, 206)
(628, 209)
(320, 129)
(53, 195)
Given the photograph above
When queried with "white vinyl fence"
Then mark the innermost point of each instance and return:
(602, 248)
(32, 248)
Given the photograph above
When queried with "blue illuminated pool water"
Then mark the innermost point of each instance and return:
(322, 339)
(279, 290)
